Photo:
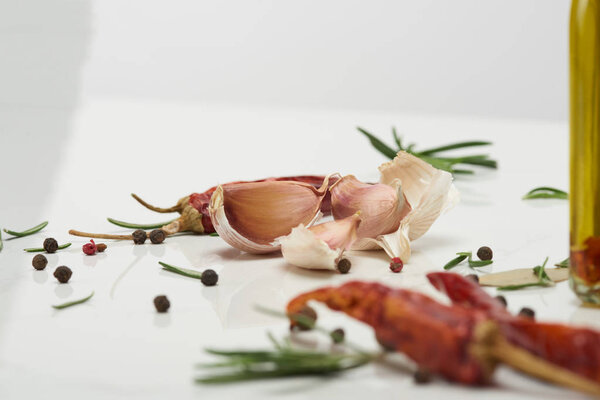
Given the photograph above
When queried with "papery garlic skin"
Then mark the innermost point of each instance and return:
(249, 216)
(382, 206)
(320, 246)
(428, 190)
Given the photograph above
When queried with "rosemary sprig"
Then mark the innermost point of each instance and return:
(466, 255)
(432, 155)
(27, 232)
(181, 271)
(563, 264)
(73, 303)
(1, 242)
(124, 224)
(545, 192)
(543, 279)
(284, 360)
(40, 249)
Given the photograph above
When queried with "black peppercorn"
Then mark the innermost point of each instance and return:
(527, 312)
(502, 300)
(485, 253)
(422, 376)
(337, 335)
(63, 274)
(139, 236)
(157, 236)
(161, 303)
(50, 245)
(39, 262)
(344, 266)
(209, 277)
(304, 319)
(473, 277)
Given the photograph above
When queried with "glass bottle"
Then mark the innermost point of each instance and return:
(584, 193)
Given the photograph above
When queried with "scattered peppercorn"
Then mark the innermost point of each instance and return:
(344, 266)
(502, 300)
(396, 265)
(50, 245)
(161, 303)
(90, 248)
(63, 274)
(308, 318)
(337, 335)
(527, 312)
(209, 277)
(157, 236)
(485, 253)
(422, 376)
(101, 247)
(473, 277)
(39, 262)
(139, 236)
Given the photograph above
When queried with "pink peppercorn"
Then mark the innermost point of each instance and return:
(396, 265)
(90, 248)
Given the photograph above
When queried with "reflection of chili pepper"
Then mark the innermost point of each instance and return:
(576, 349)
(447, 340)
(194, 208)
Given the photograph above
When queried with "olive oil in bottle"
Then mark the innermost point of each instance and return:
(585, 150)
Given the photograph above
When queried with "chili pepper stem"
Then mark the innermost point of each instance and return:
(491, 347)
(99, 235)
(175, 208)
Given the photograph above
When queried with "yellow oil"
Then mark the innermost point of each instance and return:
(585, 149)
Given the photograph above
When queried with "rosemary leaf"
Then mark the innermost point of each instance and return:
(213, 234)
(523, 286)
(138, 226)
(29, 231)
(545, 192)
(181, 271)
(40, 249)
(73, 303)
(378, 144)
(543, 279)
(479, 263)
(459, 145)
(454, 262)
(563, 264)
(1, 243)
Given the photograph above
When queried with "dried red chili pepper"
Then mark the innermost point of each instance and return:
(448, 340)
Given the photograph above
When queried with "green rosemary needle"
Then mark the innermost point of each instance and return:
(181, 271)
(469, 257)
(540, 272)
(1, 243)
(545, 192)
(40, 249)
(73, 303)
(124, 224)
(213, 234)
(432, 155)
(563, 264)
(29, 231)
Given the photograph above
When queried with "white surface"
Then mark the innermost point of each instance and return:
(116, 346)
(501, 58)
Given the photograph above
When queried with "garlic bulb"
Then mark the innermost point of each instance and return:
(382, 206)
(250, 216)
(428, 190)
(320, 246)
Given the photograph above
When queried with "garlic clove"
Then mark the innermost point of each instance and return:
(428, 190)
(395, 244)
(320, 246)
(249, 216)
(382, 206)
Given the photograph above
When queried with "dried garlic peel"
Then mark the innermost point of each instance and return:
(521, 276)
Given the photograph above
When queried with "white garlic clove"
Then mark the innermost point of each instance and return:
(428, 190)
(382, 206)
(320, 246)
(250, 216)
